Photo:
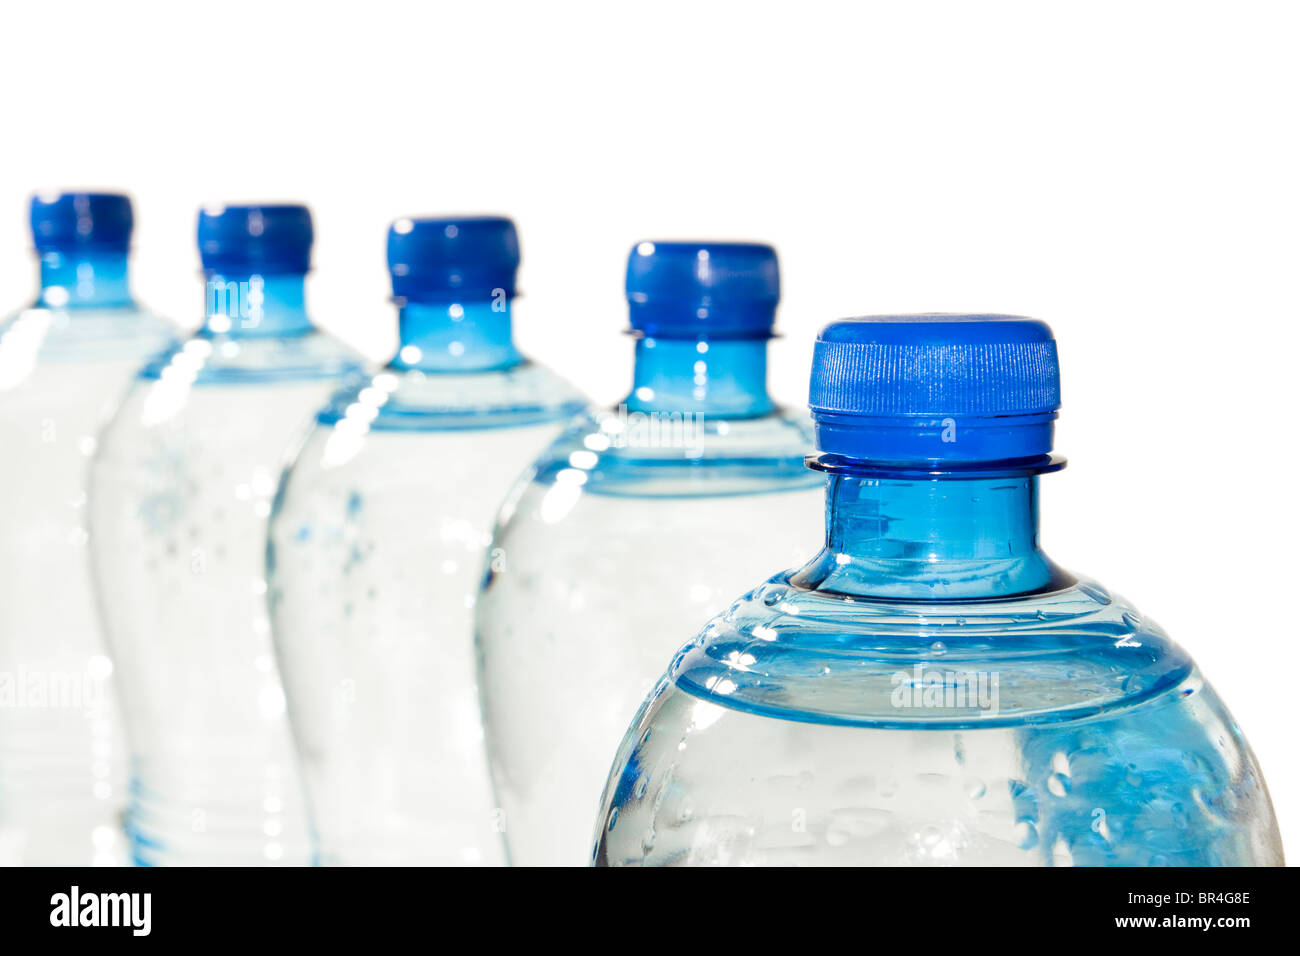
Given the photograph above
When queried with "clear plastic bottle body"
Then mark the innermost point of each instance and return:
(633, 526)
(182, 486)
(873, 708)
(376, 552)
(63, 369)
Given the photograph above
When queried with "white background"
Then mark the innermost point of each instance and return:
(1127, 171)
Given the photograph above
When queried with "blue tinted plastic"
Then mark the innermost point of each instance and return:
(631, 527)
(64, 364)
(376, 550)
(938, 388)
(181, 491)
(265, 239)
(461, 259)
(932, 690)
(713, 289)
(80, 223)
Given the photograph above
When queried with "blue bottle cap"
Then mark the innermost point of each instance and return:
(935, 388)
(256, 239)
(703, 289)
(70, 221)
(470, 257)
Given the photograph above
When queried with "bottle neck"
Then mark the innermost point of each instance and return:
(940, 538)
(256, 306)
(719, 378)
(84, 280)
(474, 336)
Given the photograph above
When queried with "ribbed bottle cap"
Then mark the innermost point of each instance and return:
(474, 257)
(703, 289)
(264, 239)
(68, 221)
(935, 388)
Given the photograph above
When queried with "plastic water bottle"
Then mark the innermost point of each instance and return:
(376, 552)
(64, 363)
(931, 688)
(181, 491)
(631, 530)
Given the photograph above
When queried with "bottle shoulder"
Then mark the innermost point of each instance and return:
(207, 359)
(74, 335)
(824, 657)
(666, 455)
(396, 399)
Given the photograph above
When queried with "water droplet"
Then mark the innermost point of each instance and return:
(1026, 835)
(1195, 762)
(1058, 785)
(1134, 684)
(1096, 592)
(613, 818)
(938, 648)
(1179, 815)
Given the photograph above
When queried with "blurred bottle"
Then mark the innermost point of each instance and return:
(634, 526)
(64, 364)
(181, 490)
(931, 689)
(376, 552)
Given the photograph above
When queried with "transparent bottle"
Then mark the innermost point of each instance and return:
(64, 363)
(635, 525)
(376, 551)
(931, 689)
(181, 490)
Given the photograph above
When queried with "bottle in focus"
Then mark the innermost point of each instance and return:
(932, 689)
